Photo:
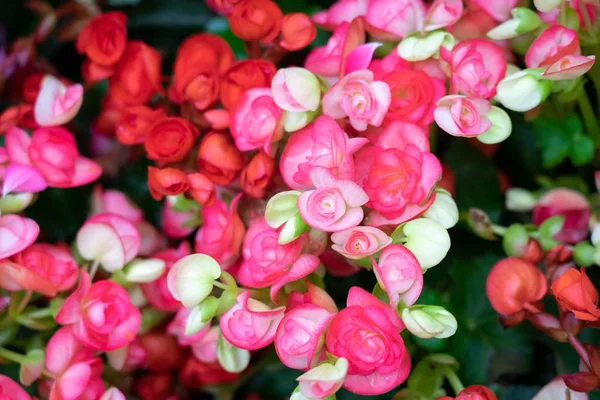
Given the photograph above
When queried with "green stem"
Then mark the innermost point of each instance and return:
(498, 230)
(453, 379)
(221, 285)
(12, 356)
(25, 301)
(41, 313)
(591, 123)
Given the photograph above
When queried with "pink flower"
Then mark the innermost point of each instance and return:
(358, 97)
(340, 11)
(178, 224)
(300, 336)
(53, 152)
(115, 202)
(329, 59)
(255, 120)
(314, 295)
(321, 144)
(250, 324)
(399, 274)
(110, 239)
(569, 67)
(335, 205)
(359, 242)
(476, 67)
(101, 314)
(389, 19)
(177, 328)
(57, 104)
(157, 292)
(21, 178)
(113, 394)
(551, 45)
(497, 9)
(443, 13)
(205, 349)
(11, 390)
(367, 334)
(267, 263)
(221, 234)
(570, 204)
(16, 234)
(151, 239)
(398, 173)
(76, 368)
(324, 380)
(463, 116)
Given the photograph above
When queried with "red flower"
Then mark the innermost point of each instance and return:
(218, 158)
(473, 392)
(135, 123)
(166, 182)
(575, 292)
(170, 140)
(196, 374)
(257, 175)
(245, 75)
(104, 38)
(256, 20)
(297, 31)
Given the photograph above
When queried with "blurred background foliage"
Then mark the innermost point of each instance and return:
(515, 362)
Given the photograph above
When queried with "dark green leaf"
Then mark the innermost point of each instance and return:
(553, 141)
(582, 149)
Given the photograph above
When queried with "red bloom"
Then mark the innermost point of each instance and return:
(104, 38)
(245, 75)
(135, 123)
(166, 182)
(575, 292)
(257, 175)
(297, 31)
(256, 20)
(170, 139)
(201, 189)
(218, 158)
(196, 374)
(473, 392)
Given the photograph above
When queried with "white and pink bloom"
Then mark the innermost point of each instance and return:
(399, 274)
(554, 43)
(250, 324)
(191, 279)
(323, 380)
(56, 103)
(22, 178)
(293, 89)
(341, 11)
(463, 116)
(359, 242)
(255, 122)
(335, 205)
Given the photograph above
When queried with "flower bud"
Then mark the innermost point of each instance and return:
(144, 271)
(113, 394)
(200, 315)
(546, 5)
(292, 230)
(443, 210)
(533, 253)
(524, 90)
(15, 202)
(549, 229)
(427, 240)
(584, 254)
(323, 380)
(282, 207)
(515, 240)
(294, 121)
(231, 358)
(418, 48)
(191, 279)
(501, 127)
(32, 368)
(521, 200)
(296, 89)
(429, 322)
(523, 20)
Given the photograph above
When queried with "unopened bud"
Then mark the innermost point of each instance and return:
(144, 271)
(521, 200)
(501, 127)
(429, 322)
(524, 90)
(418, 47)
(427, 240)
(443, 210)
(523, 20)
(546, 5)
(515, 240)
(231, 358)
(584, 254)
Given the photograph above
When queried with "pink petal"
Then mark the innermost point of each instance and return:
(74, 381)
(86, 171)
(61, 349)
(352, 218)
(410, 212)
(302, 267)
(70, 311)
(22, 178)
(17, 144)
(569, 67)
(56, 104)
(384, 98)
(360, 57)
(16, 234)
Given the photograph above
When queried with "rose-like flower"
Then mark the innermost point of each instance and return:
(255, 120)
(321, 144)
(569, 67)
(360, 98)
(570, 204)
(335, 205)
(392, 19)
(218, 159)
(200, 60)
(366, 333)
(137, 76)
(512, 283)
(178, 224)
(359, 242)
(476, 67)
(242, 76)
(476, 392)
(166, 182)
(56, 103)
(11, 390)
(399, 274)
(16, 234)
(53, 152)
(463, 116)
(101, 315)
(256, 176)
(157, 292)
(250, 324)
(221, 234)
(297, 31)
(104, 38)
(170, 140)
(256, 20)
(314, 295)
(135, 123)
(551, 45)
(300, 336)
(576, 293)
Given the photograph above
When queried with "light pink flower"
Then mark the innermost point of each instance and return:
(114, 202)
(389, 19)
(314, 295)
(76, 368)
(324, 380)
(11, 390)
(463, 116)
(497, 9)
(399, 274)
(205, 349)
(359, 242)
(551, 45)
(571, 66)
(178, 224)
(321, 144)
(300, 336)
(570, 204)
(221, 234)
(358, 97)
(335, 205)
(57, 104)
(16, 234)
(151, 239)
(177, 328)
(367, 334)
(476, 67)
(110, 239)
(113, 394)
(101, 314)
(250, 324)
(53, 152)
(267, 263)
(157, 292)
(22, 178)
(340, 11)
(255, 120)
(443, 13)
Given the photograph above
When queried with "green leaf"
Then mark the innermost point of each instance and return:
(553, 141)
(582, 149)
(425, 378)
